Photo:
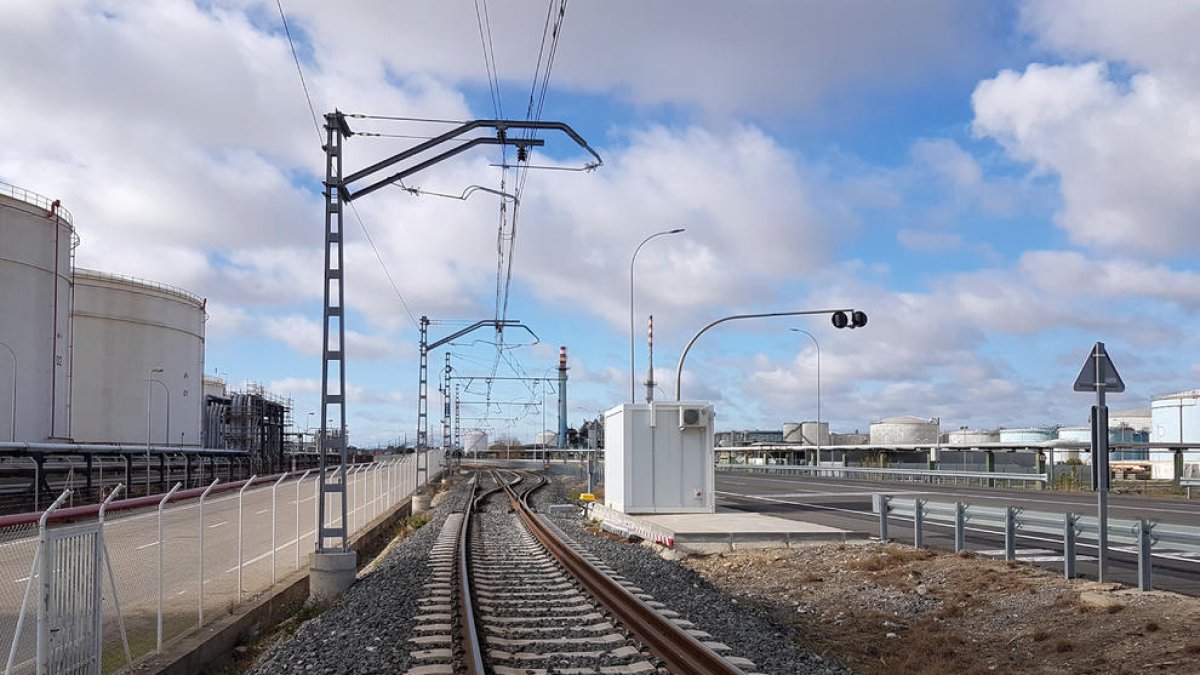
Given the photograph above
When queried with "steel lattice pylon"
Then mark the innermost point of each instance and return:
(423, 402)
(333, 356)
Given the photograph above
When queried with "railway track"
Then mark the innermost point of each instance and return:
(510, 594)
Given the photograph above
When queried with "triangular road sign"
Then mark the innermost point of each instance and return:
(1099, 370)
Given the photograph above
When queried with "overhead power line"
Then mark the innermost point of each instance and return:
(391, 280)
(300, 71)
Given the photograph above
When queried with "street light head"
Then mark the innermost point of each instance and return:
(677, 230)
(156, 370)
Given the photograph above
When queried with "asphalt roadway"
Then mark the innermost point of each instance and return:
(846, 504)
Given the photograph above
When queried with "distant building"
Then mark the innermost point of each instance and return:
(737, 439)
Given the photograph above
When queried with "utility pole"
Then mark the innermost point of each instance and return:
(562, 397)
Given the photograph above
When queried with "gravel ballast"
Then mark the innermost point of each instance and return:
(367, 629)
(751, 633)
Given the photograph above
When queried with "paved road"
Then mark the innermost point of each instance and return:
(847, 504)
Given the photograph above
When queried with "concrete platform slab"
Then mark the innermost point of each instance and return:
(710, 533)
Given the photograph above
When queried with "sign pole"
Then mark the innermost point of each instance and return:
(1099, 374)
(1100, 459)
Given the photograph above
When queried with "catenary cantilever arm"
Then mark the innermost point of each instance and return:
(501, 126)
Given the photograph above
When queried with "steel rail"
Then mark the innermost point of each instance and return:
(681, 652)
(472, 649)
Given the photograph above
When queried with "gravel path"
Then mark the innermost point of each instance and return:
(748, 631)
(367, 629)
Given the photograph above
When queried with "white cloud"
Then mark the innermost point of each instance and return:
(721, 58)
(303, 335)
(744, 200)
(1071, 273)
(1159, 36)
(1126, 155)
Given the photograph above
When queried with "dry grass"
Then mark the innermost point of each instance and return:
(888, 558)
(956, 614)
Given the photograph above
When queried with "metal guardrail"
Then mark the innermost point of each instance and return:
(1189, 483)
(870, 472)
(1142, 533)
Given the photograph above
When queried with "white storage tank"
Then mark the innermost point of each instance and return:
(814, 433)
(36, 243)
(1175, 418)
(475, 442)
(136, 339)
(972, 436)
(214, 386)
(547, 439)
(904, 431)
(793, 432)
(1026, 435)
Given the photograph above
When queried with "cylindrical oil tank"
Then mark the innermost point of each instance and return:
(1076, 434)
(1026, 435)
(214, 386)
(1175, 418)
(36, 242)
(139, 361)
(476, 441)
(904, 431)
(793, 432)
(1116, 435)
(815, 433)
(967, 436)
(547, 439)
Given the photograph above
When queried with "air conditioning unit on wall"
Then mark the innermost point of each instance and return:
(693, 417)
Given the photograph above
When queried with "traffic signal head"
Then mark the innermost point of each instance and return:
(854, 319)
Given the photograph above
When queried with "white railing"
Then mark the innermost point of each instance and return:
(31, 197)
(179, 565)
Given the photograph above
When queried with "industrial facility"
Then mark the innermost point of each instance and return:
(109, 364)
(1143, 441)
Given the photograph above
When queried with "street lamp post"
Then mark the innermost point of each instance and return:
(842, 318)
(12, 429)
(149, 379)
(632, 259)
(818, 345)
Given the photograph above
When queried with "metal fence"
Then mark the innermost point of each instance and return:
(1140, 535)
(148, 576)
(940, 477)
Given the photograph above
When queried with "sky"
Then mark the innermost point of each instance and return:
(998, 185)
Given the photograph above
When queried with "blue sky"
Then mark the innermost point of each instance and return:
(998, 185)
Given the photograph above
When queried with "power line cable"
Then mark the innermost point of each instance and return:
(354, 210)
(296, 57)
